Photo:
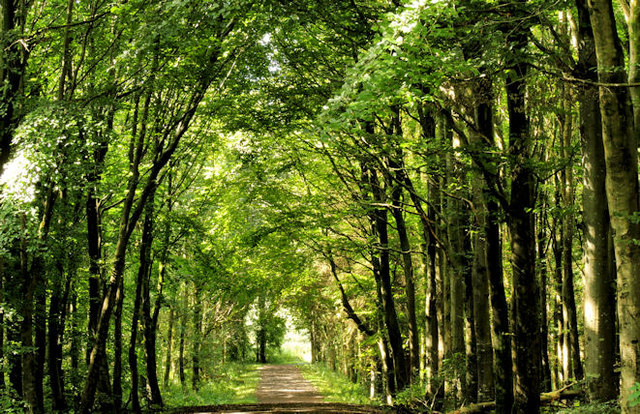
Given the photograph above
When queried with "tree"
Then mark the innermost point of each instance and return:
(621, 185)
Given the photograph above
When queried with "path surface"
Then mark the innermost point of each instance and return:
(285, 384)
(283, 389)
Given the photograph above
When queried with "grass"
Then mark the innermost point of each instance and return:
(234, 383)
(610, 407)
(286, 357)
(334, 386)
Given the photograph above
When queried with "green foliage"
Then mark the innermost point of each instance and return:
(232, 383)
(634, 397)
(413, 397)
(11, 403)
(334, 386)
(608, 407)
(453, 367)
(285, 357)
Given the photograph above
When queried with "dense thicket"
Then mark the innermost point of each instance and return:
(443, 193)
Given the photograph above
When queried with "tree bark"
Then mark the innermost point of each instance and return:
(117, 347)
(384, 275)
(407, 261)
(33, 359)
(522, 230)
(143, 274)
(54, 339)
(2, 324)
(150, 319)
(633, 23)
(568, 295)
(436, 388)
(183, 334)
(599, 281)
(544, 276)
(456, 225)
(94, 247)
(471, 340)
(40, 333)
(197, 332)
(620, 146)
(500, 331)
(562, 347)
(13, 62)
(167, 361)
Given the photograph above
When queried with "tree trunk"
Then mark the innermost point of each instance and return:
(94, 243)
(54, 339)
(599, 281)
(13, 62)
(197, 337)
(457, 221)
(435, 390)
(562, 366)
(388, 303)
(471, 344)
(388, 364)
(74, 348)
(117, 347)
(144, 268)
(500, 332)
(388, 379)
(522, 231)
(33, 359)
(544, 330)
(633, 23)
(2, 322)
(407, 262)
(183, 333)
(167, 361)
(40, 333)
(621, 163)
(150, 321)
(15, 361)
(568, 296)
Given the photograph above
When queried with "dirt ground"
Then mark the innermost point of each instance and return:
(285, 384)
(282, 389)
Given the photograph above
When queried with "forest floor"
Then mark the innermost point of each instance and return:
(283, 389)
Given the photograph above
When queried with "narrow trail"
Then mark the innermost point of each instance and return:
(283, 389)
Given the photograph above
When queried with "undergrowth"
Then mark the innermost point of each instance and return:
(334, 386)
(233, 383)
(285, 357)
(609, 407)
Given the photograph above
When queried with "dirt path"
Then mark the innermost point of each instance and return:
(285, 384)
(283, 389)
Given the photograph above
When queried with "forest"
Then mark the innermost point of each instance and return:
(442, 194)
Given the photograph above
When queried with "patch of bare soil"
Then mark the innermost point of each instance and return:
(282, 389)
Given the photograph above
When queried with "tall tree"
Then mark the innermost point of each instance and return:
(599, 303)
(621, 162)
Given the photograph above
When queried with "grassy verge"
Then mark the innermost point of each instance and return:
(234, 383)
(286, 357)
(334, 386)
